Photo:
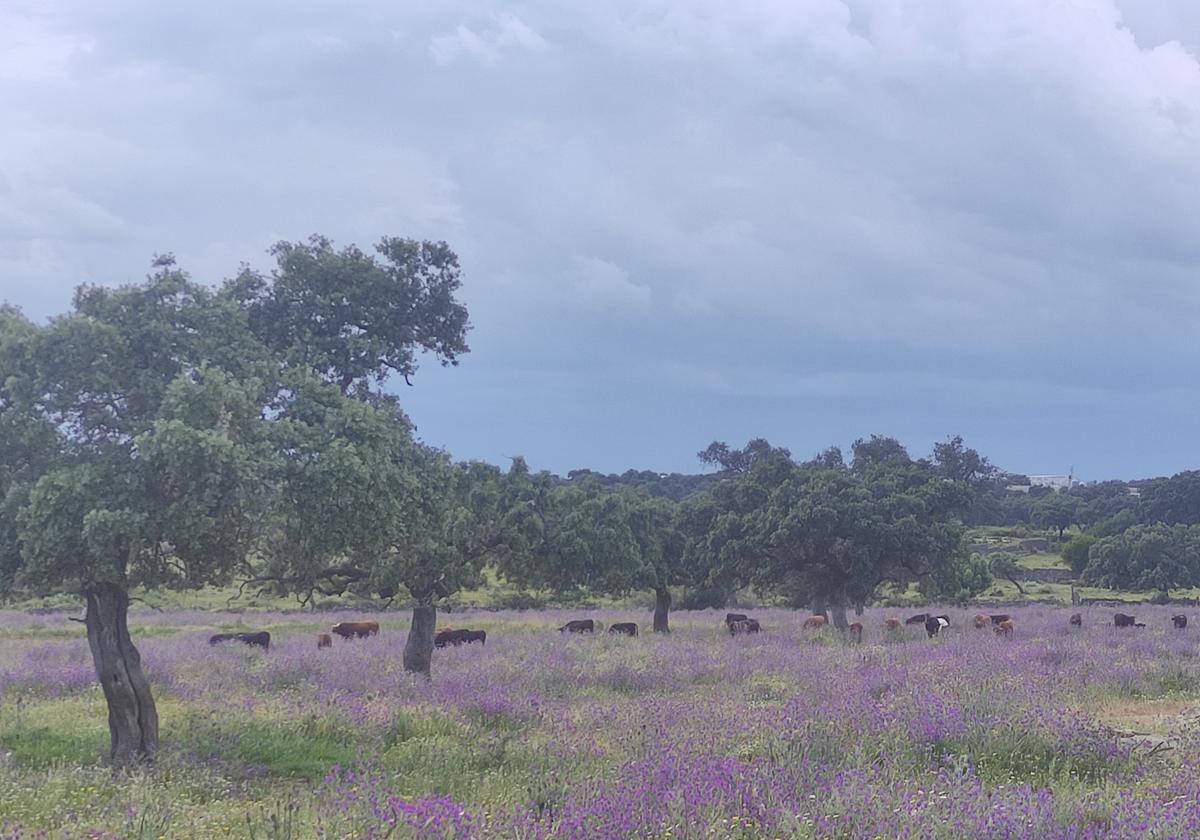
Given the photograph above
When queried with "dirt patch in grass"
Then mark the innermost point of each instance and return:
(1153, 723)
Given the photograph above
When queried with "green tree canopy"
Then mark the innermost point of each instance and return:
(166, 434)
(830, 535)
(1058, 510)
(1160, 557)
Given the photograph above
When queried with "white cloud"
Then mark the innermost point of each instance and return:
(602, 285)
(506, 34)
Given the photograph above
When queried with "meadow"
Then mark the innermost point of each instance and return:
(1053, 733)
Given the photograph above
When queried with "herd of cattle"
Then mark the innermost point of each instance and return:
(736, 623)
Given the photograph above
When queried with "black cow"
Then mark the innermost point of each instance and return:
(935, 623)
(1122, 620)
(475, 636)
(582, 625)
(627, 628)
(730, 618)
(260, 639)
(1180, 621)
(745, 625)
(996, 619)
(917, 619)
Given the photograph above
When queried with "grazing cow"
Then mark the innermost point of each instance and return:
(917, 619)
(356, 629)
(1139, 624)
(934, 624)
(1005, 628)
(1180, 621)
(1077, 620)
(892, 623)
(745, 625)
(982, 621)
(261, 639)
(324, 640)
(732, 617)
(856, 630)
(475, 636)
(814, 621)
(1122, 620)
(582, 625)
(449, 636)
(626, 628)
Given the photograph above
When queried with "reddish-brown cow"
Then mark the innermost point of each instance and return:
(356, 629)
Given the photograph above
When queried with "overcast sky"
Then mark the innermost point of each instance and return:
(678, 220)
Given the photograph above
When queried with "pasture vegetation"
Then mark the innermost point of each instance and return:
(793, 733)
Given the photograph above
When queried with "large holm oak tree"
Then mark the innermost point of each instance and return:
(828, 533)
(168, 434)
(585, 537)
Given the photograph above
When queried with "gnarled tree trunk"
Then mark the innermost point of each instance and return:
(662, 609)
(838, 613)
(132, 718)
(418, 650)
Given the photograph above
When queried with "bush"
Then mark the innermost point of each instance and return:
(1075, 552)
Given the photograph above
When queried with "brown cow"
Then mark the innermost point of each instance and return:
(627, 628)
(814, 621)
(982, 621)
(579, 625)
(1077, 620)
(324, 640)
(355, 629)
(856, 630)
(1005, 628)
(893, 624)
(449, 636)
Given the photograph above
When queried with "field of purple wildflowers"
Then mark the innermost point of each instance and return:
(1054, 733)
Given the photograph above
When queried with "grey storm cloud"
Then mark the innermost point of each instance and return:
(678, 219)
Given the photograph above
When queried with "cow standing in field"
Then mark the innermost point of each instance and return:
(917, 619)
(449, 636)
(356, 629)
(893, 624)
(730, 618)
(982, 621)
(324, 640)
(580, 625)
(814, 622)
(935, 624)
(260, 639)
(625, 628)
(1000, 619)
(745, 625)
(1005, 628)
(1122, 620)
(856, 631)
(1180, 622)
(1077, 620)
